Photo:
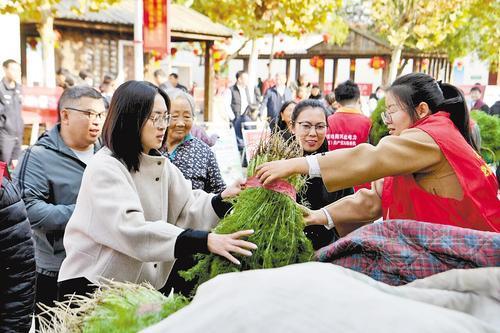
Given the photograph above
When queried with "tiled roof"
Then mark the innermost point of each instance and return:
(183, 19)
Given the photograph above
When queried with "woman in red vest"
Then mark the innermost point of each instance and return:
(426, 170)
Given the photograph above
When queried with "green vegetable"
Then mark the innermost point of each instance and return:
(379, 129)
(276, 219)
(490, 135)
(115, 307)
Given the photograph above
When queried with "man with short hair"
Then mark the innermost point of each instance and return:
(348, 126)
(49, 177)
(238, 97)
(276, 96)
(11, 121)
(161, 79)
(174, 81)
(476, 101)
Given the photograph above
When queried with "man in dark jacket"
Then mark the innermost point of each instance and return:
(17, 260)
(476, 101)
(276, 96)
(238, 97)
(49, 176)
(11, 121)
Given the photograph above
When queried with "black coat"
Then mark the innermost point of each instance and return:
(17, 262)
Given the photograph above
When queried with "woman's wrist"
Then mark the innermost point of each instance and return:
(301, 166)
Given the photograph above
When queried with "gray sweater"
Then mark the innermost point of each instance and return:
(49, 176)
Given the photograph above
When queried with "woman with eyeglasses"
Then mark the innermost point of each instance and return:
(309, 125)
(426, 170)
(136, 213)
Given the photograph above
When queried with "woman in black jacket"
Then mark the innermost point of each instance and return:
(309, 124)
(17, 261)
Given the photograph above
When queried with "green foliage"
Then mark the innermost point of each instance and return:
(379, 129)
(276, 219)
(115, 308)
(490, 134)
(35, 10)
(456, 27)
(257, 18)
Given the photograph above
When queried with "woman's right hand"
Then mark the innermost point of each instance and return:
(225, 244)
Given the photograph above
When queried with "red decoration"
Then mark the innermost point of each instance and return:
(425, 64)
(377, 63)
(156, 31)
(317, 62)
(173, 51)
(326, 38)
(32, 42)
(352, 66)
(196, 52)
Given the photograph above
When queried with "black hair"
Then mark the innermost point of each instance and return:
(7, 62)
(159, 72)
(475, 88)
(85, 74)
(309, 103)
(412, 89)
(239, 73)
(174, 75)
(75, 93)
(347, 91)
(130, 107)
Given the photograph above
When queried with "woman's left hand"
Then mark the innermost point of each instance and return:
(271, 171)
(233, 190)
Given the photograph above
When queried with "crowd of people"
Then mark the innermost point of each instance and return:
(126, 187)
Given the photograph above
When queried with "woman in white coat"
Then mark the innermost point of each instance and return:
(135, 213)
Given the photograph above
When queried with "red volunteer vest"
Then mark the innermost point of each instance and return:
(347, 130)
(403, 198)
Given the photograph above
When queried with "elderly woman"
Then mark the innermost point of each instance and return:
(192, 156)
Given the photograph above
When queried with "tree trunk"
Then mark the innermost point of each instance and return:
(46, 31)
(252, 68)
(395, 58)
(271, 57)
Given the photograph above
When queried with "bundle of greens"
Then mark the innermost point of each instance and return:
(114, 307)
(274, 216)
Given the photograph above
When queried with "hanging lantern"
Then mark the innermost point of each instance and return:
(196, 52)
(317, 62)
(326, 38)
(352, 66)
(377, 63)
(173, 51)
(425, 64)
(32, 42)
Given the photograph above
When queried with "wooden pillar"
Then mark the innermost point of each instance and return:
(209, 82)
(352, 68)
(335, 71)
(385, 71)
(321, 80)
(24, 72)
(245, 64)
(288, 72)
(414, 66)
(297, 69)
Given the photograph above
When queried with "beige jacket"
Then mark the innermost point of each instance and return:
(125, 224)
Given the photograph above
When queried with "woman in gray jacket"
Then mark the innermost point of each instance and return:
(135, 213)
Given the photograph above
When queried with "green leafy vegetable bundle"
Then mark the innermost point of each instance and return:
(115, 307)
(274, 216)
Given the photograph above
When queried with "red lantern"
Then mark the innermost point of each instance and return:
(377, 63)
(173, 51)
(317, 62)
(326, 38)
(352, 66)
(196, 52)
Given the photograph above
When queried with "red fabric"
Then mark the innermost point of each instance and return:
(280, 186)
(347, 130)
(403, 198)
(4, 172)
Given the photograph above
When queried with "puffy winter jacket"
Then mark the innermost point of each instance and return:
(17, 262)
